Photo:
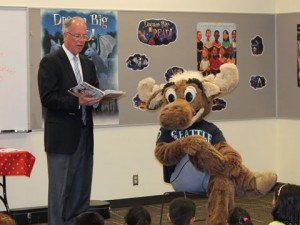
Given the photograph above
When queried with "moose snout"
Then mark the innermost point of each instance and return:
(176, 115)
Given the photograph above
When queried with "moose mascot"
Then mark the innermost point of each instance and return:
(193, 151)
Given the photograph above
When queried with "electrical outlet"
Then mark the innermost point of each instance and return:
(135, 179)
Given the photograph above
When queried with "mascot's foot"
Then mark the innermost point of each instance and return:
(265, 181)
(253, 185)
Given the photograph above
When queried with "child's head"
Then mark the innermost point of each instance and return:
(214, 51)
(225, 35)
(222, 50)
(233, 34)
(287, 203)
(199, 35)
(204, 54)
(89, 218)
(216, 35)
(182, 211)
(137, 215)
(6, 220)
(208, 33)
(239, 216)
(277, 191)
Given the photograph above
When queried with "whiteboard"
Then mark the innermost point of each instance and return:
(14, 110)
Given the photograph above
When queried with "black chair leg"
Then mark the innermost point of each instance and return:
(163, 203)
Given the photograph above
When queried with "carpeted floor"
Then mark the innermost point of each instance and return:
(259, 209)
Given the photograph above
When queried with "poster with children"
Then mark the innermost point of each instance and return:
(216, 44)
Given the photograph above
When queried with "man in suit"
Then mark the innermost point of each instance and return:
(68, 137)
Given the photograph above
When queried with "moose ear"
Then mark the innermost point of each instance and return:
(150, 93)
(228, 79)
(155, 100)
(145, 88)
(223, 82)
(211, 89)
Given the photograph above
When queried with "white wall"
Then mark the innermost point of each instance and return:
(287, 139)
(121, 152)
(288, 6)
(288, 157)
(231, 6)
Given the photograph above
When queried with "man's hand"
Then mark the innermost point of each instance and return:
(86, 99)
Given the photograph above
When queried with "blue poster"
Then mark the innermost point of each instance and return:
(101, 48)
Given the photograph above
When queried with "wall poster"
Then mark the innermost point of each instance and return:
(101, 48)
(216, 44)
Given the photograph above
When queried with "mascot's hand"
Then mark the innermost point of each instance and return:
(193, 144)
(203, 155)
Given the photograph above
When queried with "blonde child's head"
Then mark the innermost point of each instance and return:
(204, 54)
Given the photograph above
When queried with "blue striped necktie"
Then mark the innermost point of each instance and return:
(79, 80)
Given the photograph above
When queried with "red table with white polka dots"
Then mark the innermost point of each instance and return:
(14, 162)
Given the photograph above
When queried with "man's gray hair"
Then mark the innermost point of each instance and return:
(68, 22)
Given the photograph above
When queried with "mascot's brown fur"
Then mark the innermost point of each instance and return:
(186, 99)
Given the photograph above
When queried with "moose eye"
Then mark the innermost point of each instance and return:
(190, 93)
(171, 95)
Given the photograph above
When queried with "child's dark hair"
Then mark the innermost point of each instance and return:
(137, 215)
(181, 211)
(89, 218)
(287, 204)
(239, 216)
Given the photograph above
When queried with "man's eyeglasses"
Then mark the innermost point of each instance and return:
(79, 36)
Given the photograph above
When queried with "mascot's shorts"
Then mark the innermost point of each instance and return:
(187, 178)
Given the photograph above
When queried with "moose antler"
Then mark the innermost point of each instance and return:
(149, 92)
(146, 88)
(223, 82)
(214, 85)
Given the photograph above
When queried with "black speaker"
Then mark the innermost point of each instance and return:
(33, 215)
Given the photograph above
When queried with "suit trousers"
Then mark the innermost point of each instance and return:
(70, 181)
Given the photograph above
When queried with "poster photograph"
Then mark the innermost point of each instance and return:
(216, 45)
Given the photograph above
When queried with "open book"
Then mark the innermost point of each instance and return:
(94, 92)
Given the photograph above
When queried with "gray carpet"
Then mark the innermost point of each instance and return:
(259, 209)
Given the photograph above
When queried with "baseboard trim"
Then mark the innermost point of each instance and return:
(157, 199)
(149, 200)
(126, 202)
